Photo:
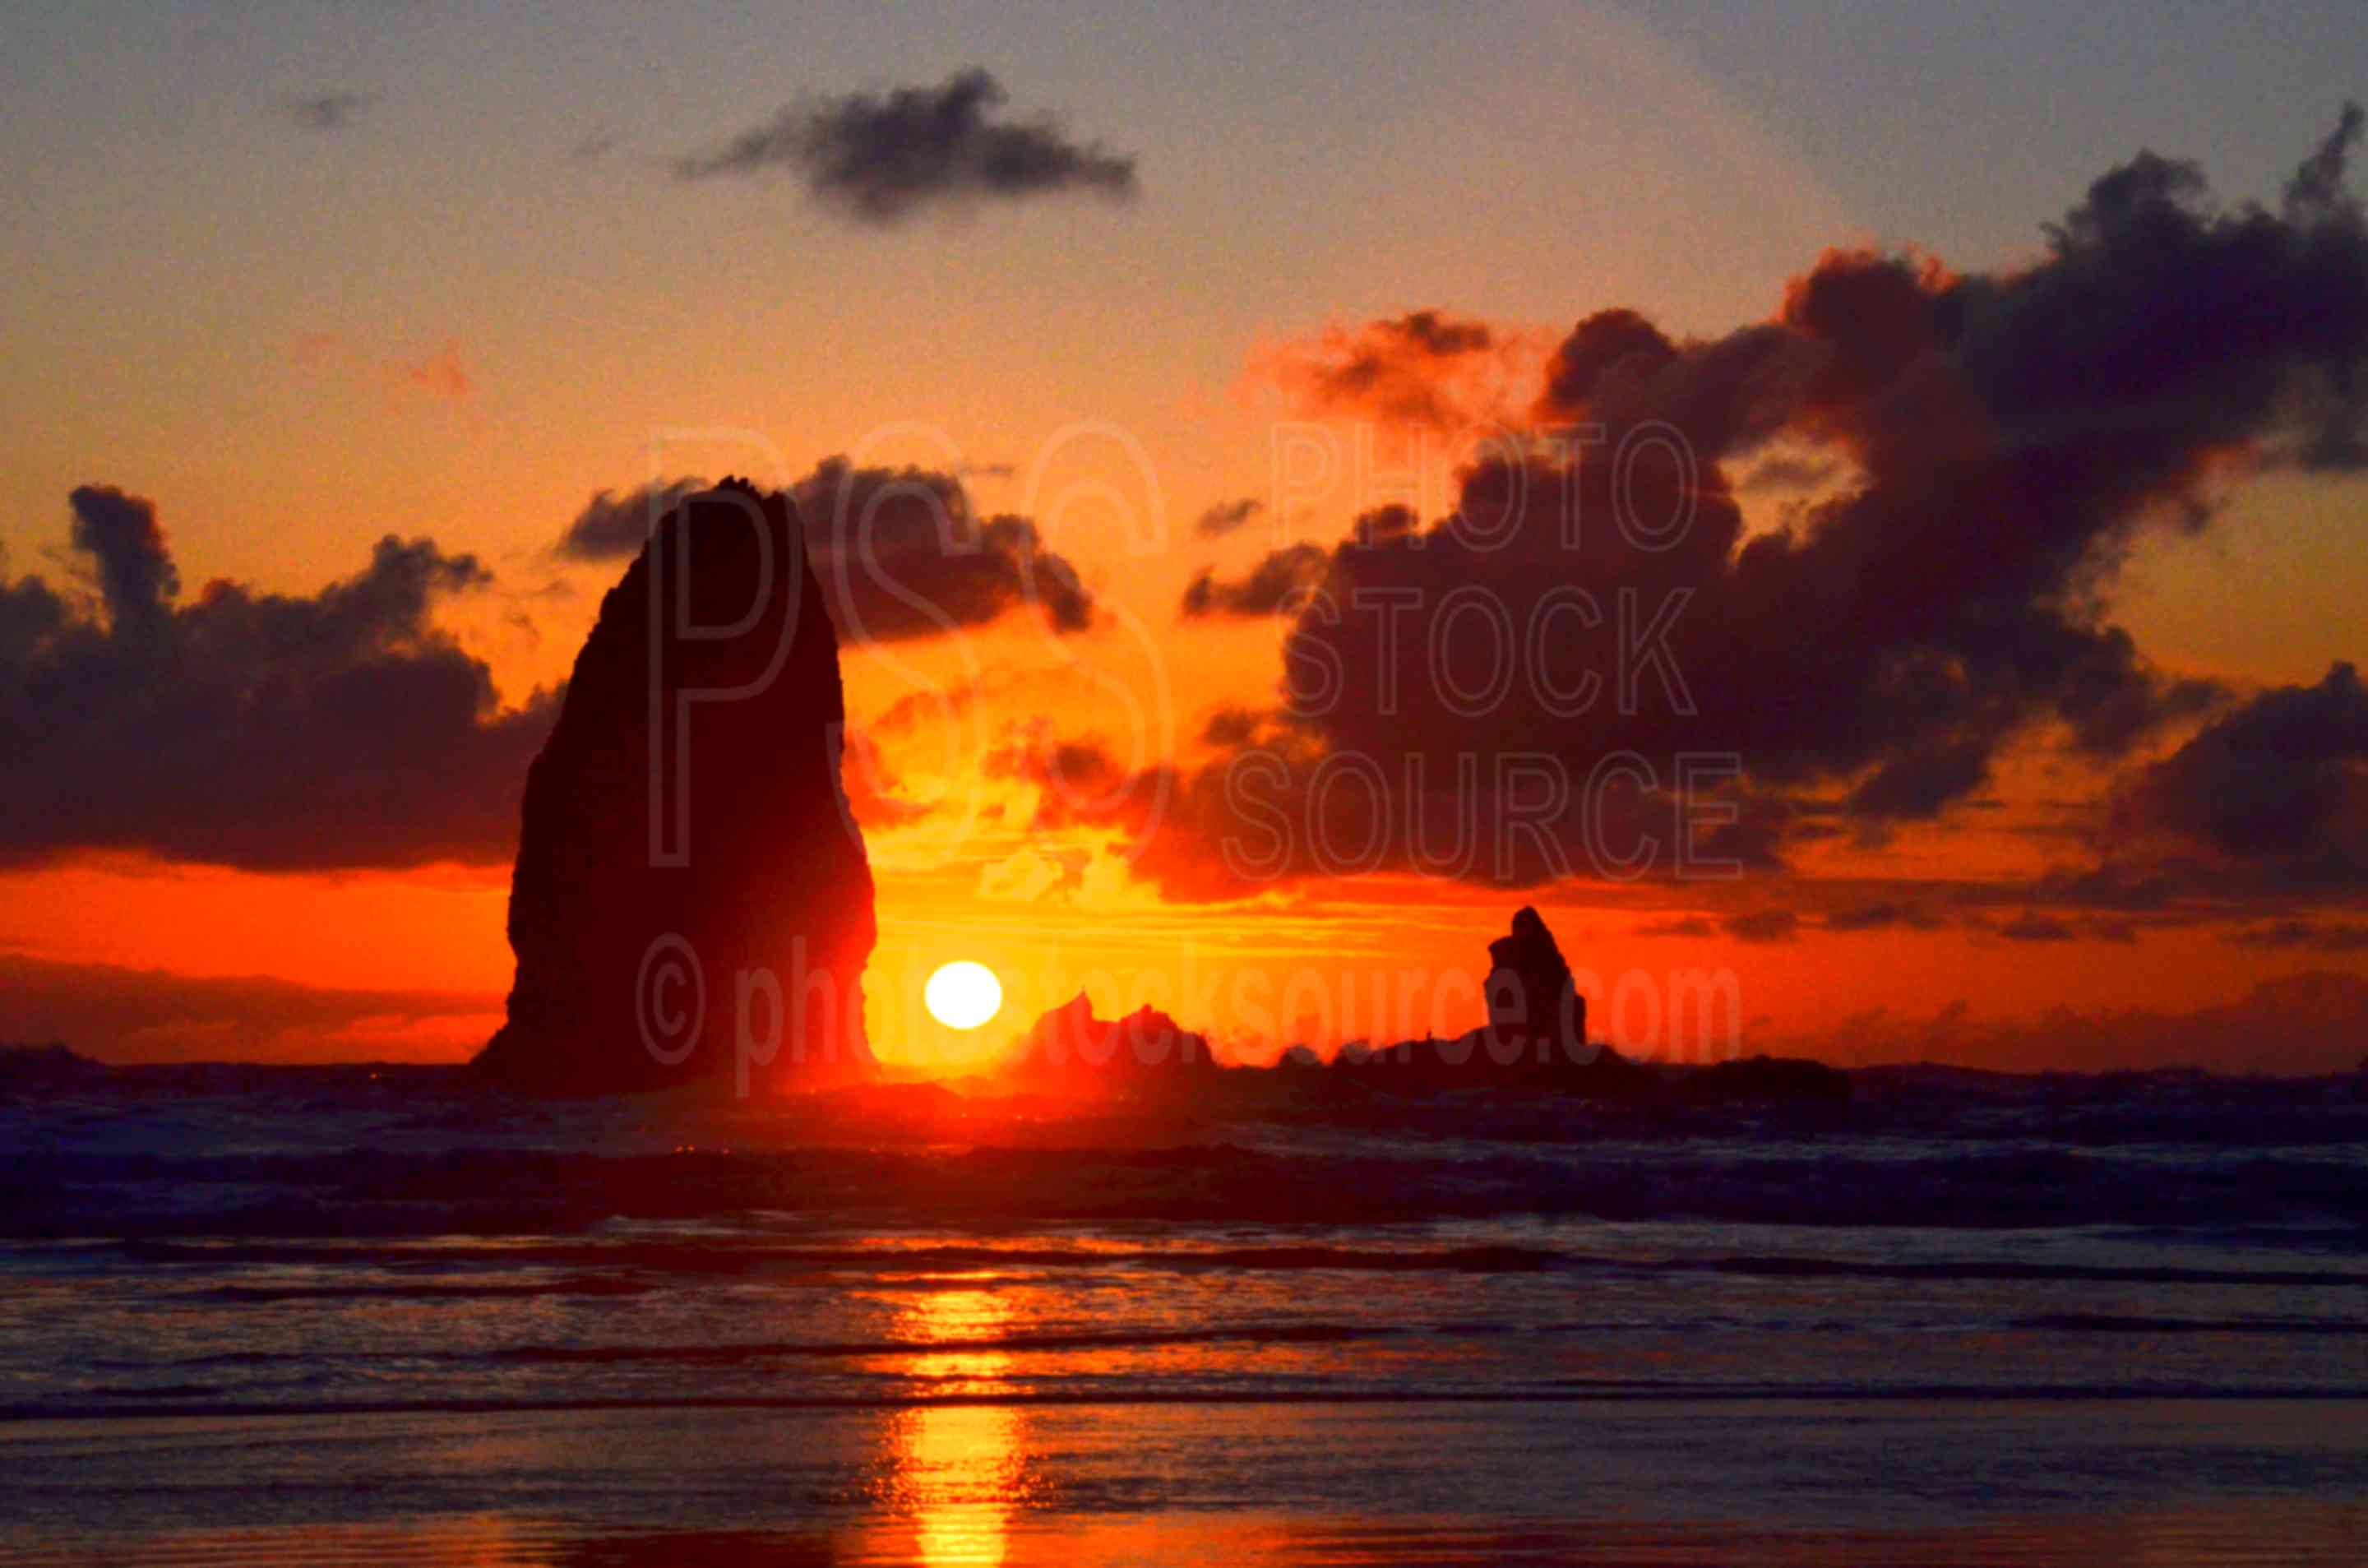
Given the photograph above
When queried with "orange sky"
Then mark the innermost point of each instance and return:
(1057, 909)
(293, 342)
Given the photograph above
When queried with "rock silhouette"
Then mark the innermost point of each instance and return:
(1531, 995)
(691, 901)
(46, 1069)
(1069, 1052)
(1535, 1036)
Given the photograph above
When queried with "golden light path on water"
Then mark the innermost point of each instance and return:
(961, 1469)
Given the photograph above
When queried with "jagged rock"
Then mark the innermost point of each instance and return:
(676, 946)
(1068, 1050)
(1530, 996)
(1535, 1036)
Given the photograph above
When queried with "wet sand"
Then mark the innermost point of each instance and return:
(1632, 1482)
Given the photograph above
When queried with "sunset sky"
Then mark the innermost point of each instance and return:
(2028, 631)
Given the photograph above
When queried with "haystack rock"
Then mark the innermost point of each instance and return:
(1535, 1036)
(692, 903)
(1531, 995)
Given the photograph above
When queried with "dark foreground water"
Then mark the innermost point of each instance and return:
(276, 1318)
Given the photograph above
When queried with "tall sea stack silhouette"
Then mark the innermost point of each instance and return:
(1530, 994)
(692, 903)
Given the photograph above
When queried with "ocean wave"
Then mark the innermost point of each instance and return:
(388, 1196)
(607, 1268)
(1561, 1393)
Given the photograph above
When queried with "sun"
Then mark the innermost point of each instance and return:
(963, 995)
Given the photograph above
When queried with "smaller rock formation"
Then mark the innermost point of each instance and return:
(1535, 1036)
(1070, 1052)
(1531, 1001)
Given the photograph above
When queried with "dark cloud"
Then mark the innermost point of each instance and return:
(1276, 585)
(2279, 785)
(119, 533)
(1880, 914)
(249, 729)
(615, 524)
(1230, 727)
(2049, 909)
(2120, 889)
(2331, 937)
(329, 112)
(1425, 369)
(125, 1016)
(1225, 517)
(1763, 926)
(901, 556)
(2032, 927)
(1441, 335)
(1591, 617)
(899, 551)
(1075, 776)
(879, 156)
(2318, 184)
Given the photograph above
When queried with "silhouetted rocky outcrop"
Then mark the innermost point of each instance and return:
(46, 1069)
(1531, 1000)
(1535, 1036)
(717, 933)
(1069, 1052)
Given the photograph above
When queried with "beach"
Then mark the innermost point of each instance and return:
(1627, 1481)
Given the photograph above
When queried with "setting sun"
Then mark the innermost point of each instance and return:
(963, 995)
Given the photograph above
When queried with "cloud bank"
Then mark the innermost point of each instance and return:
(1513, 693)
(900, 552)
(248, 729)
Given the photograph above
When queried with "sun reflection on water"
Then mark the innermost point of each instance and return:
(961, 1469)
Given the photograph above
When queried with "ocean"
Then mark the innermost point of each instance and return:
(279, 1316)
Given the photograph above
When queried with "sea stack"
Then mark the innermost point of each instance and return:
(1531, 995)
(1535, 1036)
(691, 902)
